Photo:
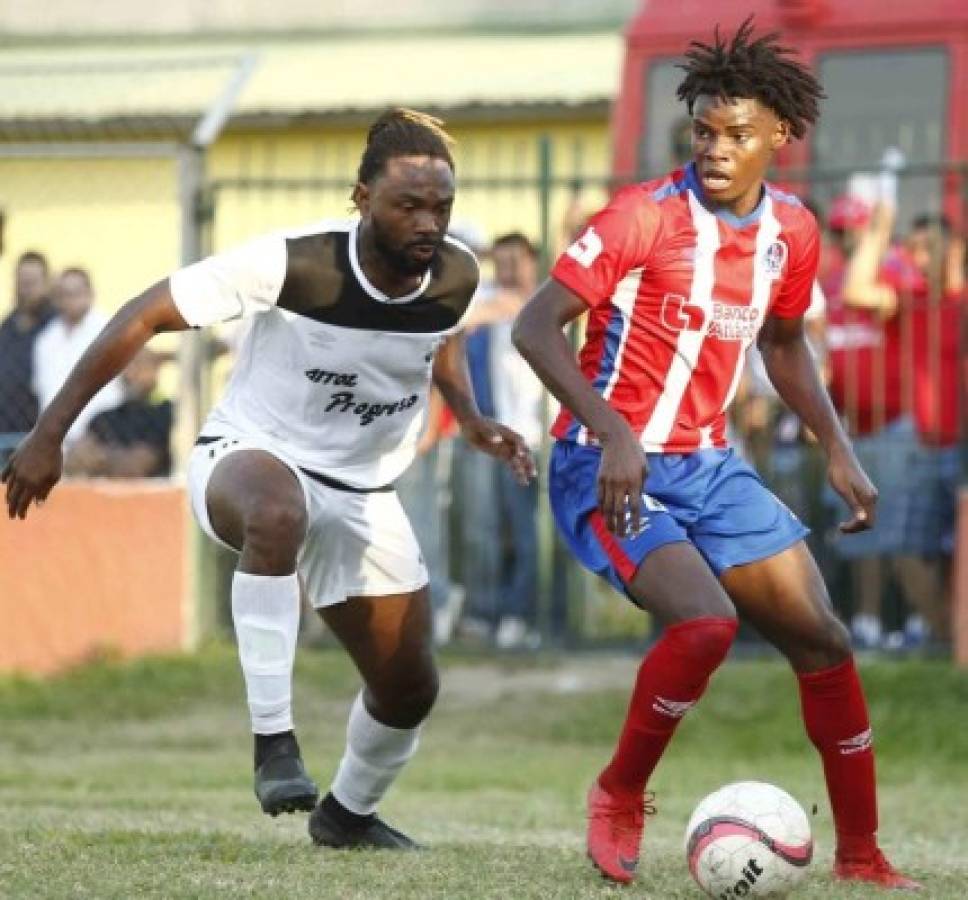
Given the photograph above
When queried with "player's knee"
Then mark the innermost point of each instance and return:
(706, 639)
(410, 699)
(827, 645)
(275, 529)
(834, 640)
(421, 696)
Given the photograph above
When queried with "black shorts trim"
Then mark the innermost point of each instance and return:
(327, 480)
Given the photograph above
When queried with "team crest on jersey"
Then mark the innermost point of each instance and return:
(774, 259)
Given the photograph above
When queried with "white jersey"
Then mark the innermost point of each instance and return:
(332, 370)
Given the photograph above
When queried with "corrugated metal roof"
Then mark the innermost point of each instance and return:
(94, 83)
(194, 17)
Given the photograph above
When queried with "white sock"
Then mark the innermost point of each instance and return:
(265, 610)
(375, 754)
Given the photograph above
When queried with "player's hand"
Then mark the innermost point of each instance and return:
(621, 477)
(850, 481)
(501, 442)
(31, 473)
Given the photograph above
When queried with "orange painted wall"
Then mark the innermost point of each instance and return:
(102, 567)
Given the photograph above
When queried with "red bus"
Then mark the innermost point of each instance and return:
(895, 72)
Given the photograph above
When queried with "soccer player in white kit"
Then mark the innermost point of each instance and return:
(351, 321)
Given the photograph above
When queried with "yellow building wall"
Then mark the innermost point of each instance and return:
(120, 217)
(498, 167)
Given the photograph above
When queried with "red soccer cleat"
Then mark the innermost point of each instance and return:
(615, 832)
(875, 870)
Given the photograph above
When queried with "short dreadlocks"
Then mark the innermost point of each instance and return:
(759, 69)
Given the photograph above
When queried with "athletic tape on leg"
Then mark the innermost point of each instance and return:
(265, 611)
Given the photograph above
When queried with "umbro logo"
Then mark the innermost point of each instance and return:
(633, 530)
(856, 744)
(674, 709)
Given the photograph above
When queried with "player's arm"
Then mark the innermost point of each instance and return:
(36, 465)
(617, 239)
(452, 379)
(237, 283)
(539, 337)
(793, 371)
(433, 427)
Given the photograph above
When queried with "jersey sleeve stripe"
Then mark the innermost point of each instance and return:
(616, 337)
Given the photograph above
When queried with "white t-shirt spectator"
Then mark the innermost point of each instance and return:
(57, 349)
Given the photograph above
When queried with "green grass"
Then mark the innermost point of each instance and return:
(124, 781)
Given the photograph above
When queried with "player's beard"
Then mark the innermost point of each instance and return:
(398, 257)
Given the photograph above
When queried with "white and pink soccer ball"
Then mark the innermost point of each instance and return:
(748, 839)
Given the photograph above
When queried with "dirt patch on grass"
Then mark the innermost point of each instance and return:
(470, 685)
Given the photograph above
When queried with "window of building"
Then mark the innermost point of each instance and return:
(876, 100)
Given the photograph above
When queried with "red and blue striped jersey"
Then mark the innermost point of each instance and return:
(677, 292)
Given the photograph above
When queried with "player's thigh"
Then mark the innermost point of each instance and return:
(657, 565)
(675, 584)
(231, 480)
(252, 485)
(389, 640)
(784, 597)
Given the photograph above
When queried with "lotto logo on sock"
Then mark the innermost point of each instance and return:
(675, 709)
(857, 744)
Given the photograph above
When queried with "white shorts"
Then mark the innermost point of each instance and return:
(356, 544)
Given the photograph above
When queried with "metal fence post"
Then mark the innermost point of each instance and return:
(546, 580)
(194, 357)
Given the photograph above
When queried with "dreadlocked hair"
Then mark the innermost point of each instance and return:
(403, 132)
(759, 69)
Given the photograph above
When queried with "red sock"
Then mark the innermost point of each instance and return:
(835, 715)
(671, 679)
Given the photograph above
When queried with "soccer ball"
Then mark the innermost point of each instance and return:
(748, 839)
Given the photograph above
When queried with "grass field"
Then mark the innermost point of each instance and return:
(130, 781)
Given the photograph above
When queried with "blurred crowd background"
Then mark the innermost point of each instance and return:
(129, 147)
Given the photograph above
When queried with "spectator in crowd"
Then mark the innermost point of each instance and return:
(935, 319)
(500, 533)
(132, 440)
(518, 398)
(864, 368)
(60, 345)
(425, 493)
(885, 376)
(937, 311)
(31, 312)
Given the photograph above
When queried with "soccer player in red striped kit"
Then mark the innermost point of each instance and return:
(678, 277)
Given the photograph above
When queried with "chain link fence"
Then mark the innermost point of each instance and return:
(895, 375)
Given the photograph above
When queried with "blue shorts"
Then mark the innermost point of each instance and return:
(710, 498)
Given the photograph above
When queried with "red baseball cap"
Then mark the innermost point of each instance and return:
(848, 212)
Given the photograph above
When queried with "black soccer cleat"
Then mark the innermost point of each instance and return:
(328, 828)
(281, 782)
